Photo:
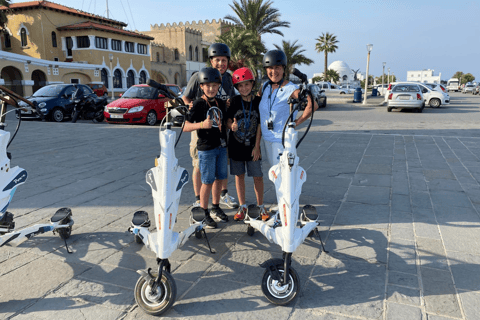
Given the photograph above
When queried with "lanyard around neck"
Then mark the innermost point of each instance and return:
(271, 103)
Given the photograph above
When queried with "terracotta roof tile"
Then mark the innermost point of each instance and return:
(103, 27)
(55, 6)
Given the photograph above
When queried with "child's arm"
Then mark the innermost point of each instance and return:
(205, 124)
(256, 152)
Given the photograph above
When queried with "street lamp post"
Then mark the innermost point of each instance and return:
(369, 49)
(383, 75)
(110, 56)
(388, 75)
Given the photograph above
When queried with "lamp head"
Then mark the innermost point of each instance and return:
(369, 47)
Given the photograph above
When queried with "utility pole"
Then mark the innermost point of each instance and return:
(107, 9)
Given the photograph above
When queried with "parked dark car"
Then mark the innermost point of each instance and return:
(318, 95)
(55, 101)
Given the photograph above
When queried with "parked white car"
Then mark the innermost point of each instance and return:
(440, 88)
(431, 97)
(406, 96)
(468, 88)
(382, 89)
(330, 87)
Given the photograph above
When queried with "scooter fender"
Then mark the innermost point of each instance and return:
(271, 267)
(144, 274)
(13, 178)
(167, 181)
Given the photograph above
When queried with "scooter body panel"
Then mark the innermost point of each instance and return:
(16, 238)
(167, 181)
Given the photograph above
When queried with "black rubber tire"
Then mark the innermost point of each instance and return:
(99, 118)
(148, 304)
(250, 230)
(65, 233)
(342, 92)
(137, 239)
(151, 119)
(434, 103)
(58, 115)
(280, 298)
(75, 115)
(389, 109)
(198, 234)
(420, 110)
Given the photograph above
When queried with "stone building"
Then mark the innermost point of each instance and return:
(47, 43)
(425, 76)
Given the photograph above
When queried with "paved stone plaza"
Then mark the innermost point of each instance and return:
(401, 223)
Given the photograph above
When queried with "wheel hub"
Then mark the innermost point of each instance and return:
(154, 297)
(278, 290)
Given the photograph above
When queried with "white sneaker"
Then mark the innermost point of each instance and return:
(196, 204)
(228, 201)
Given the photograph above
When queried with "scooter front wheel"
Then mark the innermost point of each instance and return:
(157, 302)
(280, 294)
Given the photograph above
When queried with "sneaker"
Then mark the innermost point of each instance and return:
(210, 224)
(196, 204)
(240, 215)
(228, 201)
(263, 214)
(218, 215)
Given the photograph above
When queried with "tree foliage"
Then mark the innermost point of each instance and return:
(458, 74)
(468, 77)
(316, 79)
(294, 53)
(385, 79)
(3, 14)
(246, 48)
(326, 43)
(332, 76)
(258, 16)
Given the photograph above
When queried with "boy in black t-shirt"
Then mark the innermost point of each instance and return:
(206, 116)
(244, 140)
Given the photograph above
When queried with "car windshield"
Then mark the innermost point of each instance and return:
(431, 85)
(470, 85)
(48, 91)
(140, 93)
(405, 88)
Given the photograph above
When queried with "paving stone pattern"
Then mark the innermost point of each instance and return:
(400, 221)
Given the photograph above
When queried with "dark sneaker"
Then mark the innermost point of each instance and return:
(218, 215)
(210, 224)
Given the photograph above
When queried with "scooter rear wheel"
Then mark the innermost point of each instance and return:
(159, 302)
(250, 230)
(137, 239)
(277, 294)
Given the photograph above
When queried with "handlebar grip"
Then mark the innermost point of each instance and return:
(16, 96)
(162, 88)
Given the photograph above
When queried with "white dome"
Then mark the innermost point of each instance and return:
(342, 69)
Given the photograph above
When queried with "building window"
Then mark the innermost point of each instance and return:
(23, 36)
(105, 77)
(8, 42)
(142, 48)
(130, 79)
(83, 42)
(205, 54)
(196, 53)
(190, 53)
(158, 56)
(177, 78)
(101, 43)
(129, 47)
(117, 79)
(54, 39)
(177, 55)
(55, 59)
(116, 45)
(143, 77)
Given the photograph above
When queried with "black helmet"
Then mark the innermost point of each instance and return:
(207, 75)
(218, 49)
(274, 58)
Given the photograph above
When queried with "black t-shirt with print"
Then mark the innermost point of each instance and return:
(208, 139)
(225, 92)
(248, 122)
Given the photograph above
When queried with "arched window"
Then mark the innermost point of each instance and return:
(117, 79)
(23, 36)
(345, 78)
(54, 39)
(130, 79)
(196, 53)
(105, 77)
(190, 53)
(177, 78)
(8, 42)
(143, 77)
(158, 56)
(177, 55)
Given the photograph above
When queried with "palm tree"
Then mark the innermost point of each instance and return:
(245, 46)
(258, 16)
(3, 14)
(326, 43)
(332, 75)
(294, 55)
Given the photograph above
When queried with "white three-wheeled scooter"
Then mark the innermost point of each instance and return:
(288, 227)
(155, 292)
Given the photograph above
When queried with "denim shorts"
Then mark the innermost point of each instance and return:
(213, 165)
(254, 168)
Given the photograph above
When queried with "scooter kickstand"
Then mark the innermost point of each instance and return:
(320, 238)
(208, 242)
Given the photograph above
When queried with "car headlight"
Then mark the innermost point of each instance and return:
(135, 109)
(43, 110)
(42, 104)
(105, 109)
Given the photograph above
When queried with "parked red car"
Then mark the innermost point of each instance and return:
(139, 104)
(99, 88)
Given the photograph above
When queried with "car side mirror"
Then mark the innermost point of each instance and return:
(120, 95)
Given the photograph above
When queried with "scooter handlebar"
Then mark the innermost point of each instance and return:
(11, 98)
(162, 88)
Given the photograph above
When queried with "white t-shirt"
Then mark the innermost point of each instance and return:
(274, 107)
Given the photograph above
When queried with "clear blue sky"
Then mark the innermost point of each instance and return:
(407, 34)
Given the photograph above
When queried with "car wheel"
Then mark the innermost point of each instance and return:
(58, 115)
(342, 92)
(151, 118)
(435, 103)
(389, 109)
(420, 110)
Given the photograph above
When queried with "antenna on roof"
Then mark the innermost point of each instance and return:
(107, 10)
